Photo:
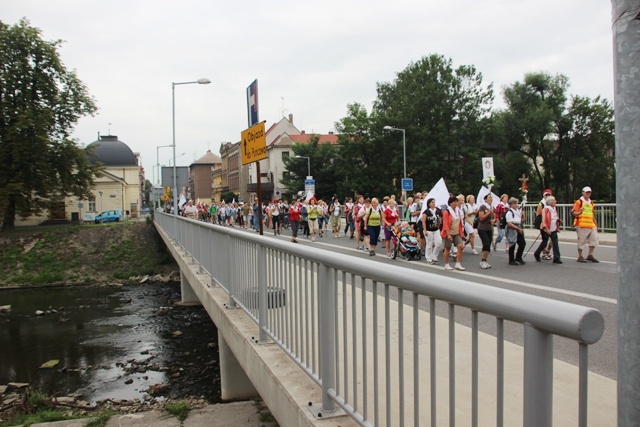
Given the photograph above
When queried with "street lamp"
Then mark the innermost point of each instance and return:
(173, 125)
(100, 192)
(176, 157)
(404, 147)
(158, 158)
(308, 164)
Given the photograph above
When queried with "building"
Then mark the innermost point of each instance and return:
(121, 184)
(201, 177)
(233, 175)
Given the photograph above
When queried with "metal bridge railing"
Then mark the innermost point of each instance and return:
(370, 334)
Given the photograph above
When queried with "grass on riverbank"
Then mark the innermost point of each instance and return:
(86, 254)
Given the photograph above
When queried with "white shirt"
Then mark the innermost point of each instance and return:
(515, 216)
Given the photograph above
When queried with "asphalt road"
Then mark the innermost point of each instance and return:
(593, 285)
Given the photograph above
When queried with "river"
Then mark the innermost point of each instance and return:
(111, 342)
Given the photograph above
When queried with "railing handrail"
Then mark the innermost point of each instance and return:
(233, 267)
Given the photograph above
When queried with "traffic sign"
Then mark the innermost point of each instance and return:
(407, 184)
(310, 186)
(253, 144)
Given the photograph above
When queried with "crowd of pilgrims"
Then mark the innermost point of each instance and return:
(445, 229)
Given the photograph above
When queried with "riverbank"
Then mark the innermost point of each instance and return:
(82, 255)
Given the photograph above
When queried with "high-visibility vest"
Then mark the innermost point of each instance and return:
(586, 218)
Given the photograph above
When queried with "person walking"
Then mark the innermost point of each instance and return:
(499, 211)
(389, 219)
(584, 221)
(550, 227)
(358, 214)
(431, 220)
(312, 218)
(544, 236)
(335, 217)
(515, 232)
(485, 229)
(372, 224)
(452, 232)
(470, 212)
(294, 219)
(348, 217)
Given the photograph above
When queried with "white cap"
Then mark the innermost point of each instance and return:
(586, 189)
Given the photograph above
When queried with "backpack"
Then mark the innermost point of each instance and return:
(537, 221)
(503, 220)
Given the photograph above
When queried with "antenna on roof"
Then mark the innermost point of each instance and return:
(109, 128)
(283, 110)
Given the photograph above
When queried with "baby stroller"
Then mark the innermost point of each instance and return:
(404, 243)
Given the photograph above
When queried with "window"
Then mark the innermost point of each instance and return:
(285, 155)
(92, 205)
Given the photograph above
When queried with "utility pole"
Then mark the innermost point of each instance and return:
(626, 45)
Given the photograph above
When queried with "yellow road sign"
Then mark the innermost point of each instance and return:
(253, 144)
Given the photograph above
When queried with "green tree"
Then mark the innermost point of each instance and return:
(441, 109)
(322, 158)
(40, 102)
(568, 142)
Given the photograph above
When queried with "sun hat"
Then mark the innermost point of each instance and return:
(586, 189)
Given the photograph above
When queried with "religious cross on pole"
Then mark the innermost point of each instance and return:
(524, 187)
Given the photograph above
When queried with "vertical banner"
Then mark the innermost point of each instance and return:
(487, 167)
(252, 103)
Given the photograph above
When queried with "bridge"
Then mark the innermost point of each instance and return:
(332, 339)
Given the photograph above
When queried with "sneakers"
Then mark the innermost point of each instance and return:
(435, 261)
(429, 262)
(448, 267)
(313, 239)
(513, 263)
(372, 253)
(484, 265)
(546, 256)
(520, 261)
(557, 261)
(359, 248)
(580, 259)
(474, 252)
(495, 246)
(459, 266)
(592, 259)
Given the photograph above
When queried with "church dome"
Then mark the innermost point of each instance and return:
(109, 151)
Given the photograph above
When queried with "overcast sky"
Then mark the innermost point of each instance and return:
(311, 59)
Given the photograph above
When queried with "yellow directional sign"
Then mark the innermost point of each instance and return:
(253, 144)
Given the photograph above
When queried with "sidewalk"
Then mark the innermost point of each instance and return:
(225, 414)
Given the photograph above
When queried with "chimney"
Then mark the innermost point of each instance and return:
(330, 132)
(302, 132)
(291, 118)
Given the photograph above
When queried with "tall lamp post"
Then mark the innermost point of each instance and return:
(308, 164)
(173, 125)
(404, 147)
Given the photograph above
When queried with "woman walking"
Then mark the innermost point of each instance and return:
(431, 220)
(485, 229)
(452, 231)
(294, 219)
(372, 223)
(515, 232)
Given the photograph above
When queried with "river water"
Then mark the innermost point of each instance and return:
(111, 342)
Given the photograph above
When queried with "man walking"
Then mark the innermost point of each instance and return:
(584, 221)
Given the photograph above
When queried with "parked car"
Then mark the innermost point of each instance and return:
(109, 216)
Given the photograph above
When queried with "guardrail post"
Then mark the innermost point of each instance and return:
(538, 377)
(327, 318)
(229, 277)
(263, 304)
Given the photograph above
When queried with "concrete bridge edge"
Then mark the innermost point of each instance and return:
(282, 385)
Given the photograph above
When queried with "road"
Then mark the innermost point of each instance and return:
(593, 285)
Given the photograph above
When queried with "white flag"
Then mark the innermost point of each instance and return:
(182, 200)
(438, 192)
(484, 190)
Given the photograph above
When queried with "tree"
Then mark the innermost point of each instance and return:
(40, 102)
(322, 158)
(441, 109)
(568, 142)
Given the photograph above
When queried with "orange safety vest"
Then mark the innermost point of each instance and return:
(586, 218)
